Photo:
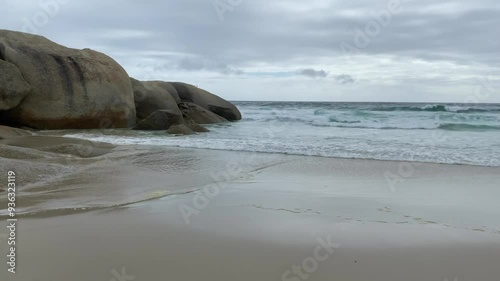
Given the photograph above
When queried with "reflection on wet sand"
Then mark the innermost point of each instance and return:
(158, 213)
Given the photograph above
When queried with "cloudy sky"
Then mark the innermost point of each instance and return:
(315, 50)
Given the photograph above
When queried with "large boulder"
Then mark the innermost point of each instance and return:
(160, 120)
(199, 114)
(150, 97)
(188, 122)
(13, 87)
(168, 87)
(69, 88)
(180, 130)
(211, 102)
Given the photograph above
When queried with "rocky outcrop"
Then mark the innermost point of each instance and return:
(211, 102)
(150, 97)
(199, 115)
(69, 88)
(44, 85)
(159, 107)
(167, 87)
(160, 120)
(180, 130)
(13, 87)
(194, 126)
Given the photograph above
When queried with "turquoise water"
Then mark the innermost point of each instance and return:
(439, 133)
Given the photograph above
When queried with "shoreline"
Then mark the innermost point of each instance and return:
(72, 160)
(63, 133)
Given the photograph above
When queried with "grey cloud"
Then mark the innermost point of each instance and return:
(197, 64)
(188, 35)
(345, 79)
(262, 31)
(190, 64)
(309, 72)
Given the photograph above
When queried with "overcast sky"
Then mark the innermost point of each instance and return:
(315, 50)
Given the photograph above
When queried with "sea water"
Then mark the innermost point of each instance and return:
(437, 133)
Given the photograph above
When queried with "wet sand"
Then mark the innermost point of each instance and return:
(156, 213)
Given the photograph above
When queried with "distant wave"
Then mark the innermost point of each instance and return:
(467, 127)
(435, 108)
(444, 126)
(431, 108)
(320, 112)
(477, 110)
(447, 127)
(347, 126)
(335, 120)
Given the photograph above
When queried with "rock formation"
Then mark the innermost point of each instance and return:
(211, 102)
(44, 85)
(69, 88)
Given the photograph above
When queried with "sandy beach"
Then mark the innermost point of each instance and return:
(91, 211)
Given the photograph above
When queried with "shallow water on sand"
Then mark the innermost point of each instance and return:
(129, 175)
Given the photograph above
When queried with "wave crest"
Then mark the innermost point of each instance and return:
(467, 127)
(436, 108)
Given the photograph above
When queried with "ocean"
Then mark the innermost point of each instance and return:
(422, 132)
